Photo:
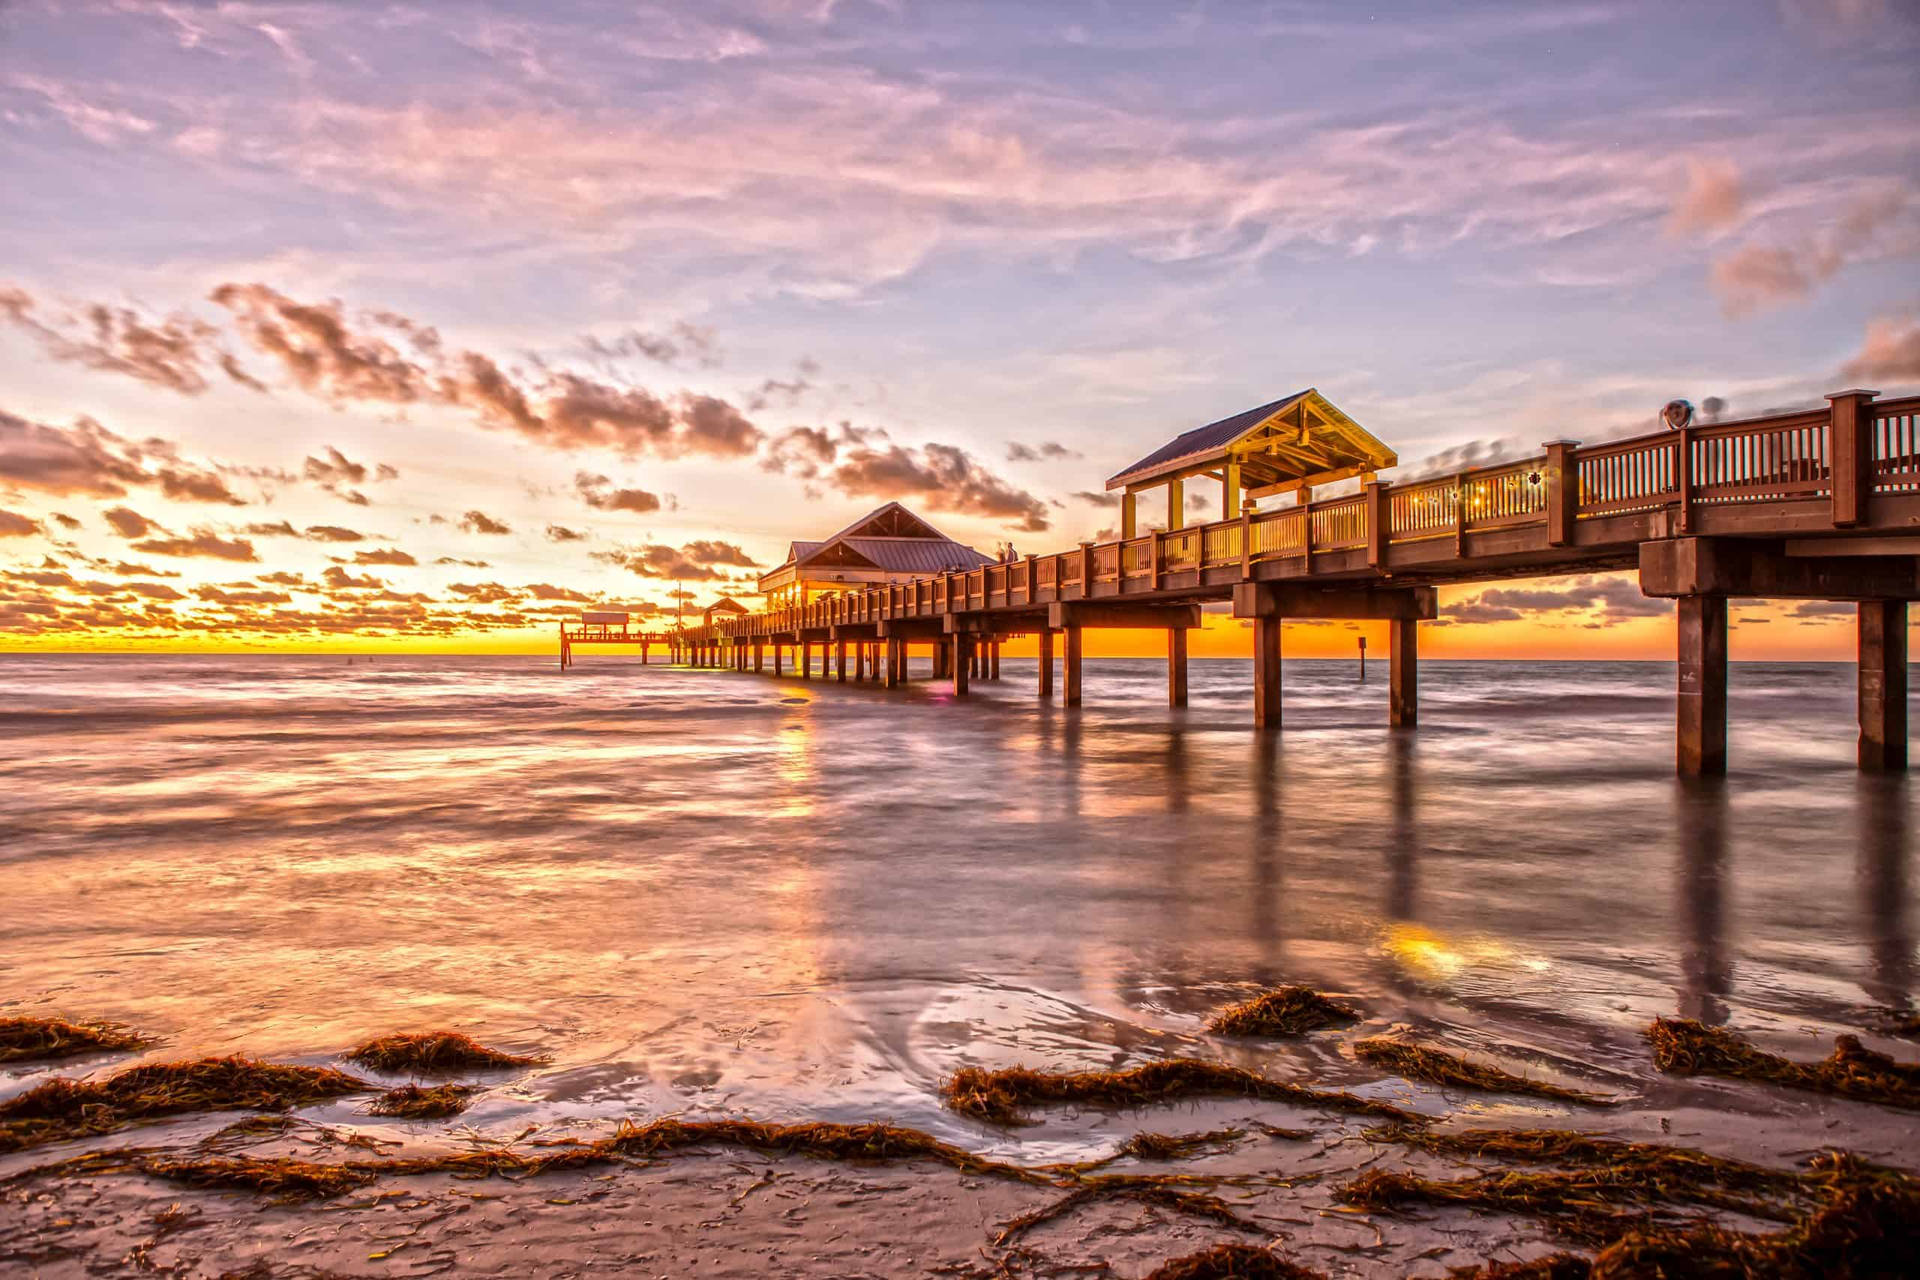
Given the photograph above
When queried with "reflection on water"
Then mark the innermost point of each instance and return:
(702, 890)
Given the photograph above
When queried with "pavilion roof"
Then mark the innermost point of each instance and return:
(1298, 439)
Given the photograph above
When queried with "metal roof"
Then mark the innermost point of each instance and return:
(1215, 435)
(917, 555)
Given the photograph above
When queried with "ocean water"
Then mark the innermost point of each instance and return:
(714, 893)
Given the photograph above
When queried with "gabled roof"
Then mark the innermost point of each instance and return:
(1300, 438)
(889, 538)
(725, 604)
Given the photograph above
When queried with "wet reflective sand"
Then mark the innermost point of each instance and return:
(703, 892)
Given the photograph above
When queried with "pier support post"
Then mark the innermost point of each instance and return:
(840, 661)
(1266, 671)
(1046, 665)
(962, 662)
(806, 659)
(759, 656)
(895, 659)
(1702, 718)
(1403, 673)
(777, 647)
(994, 652)
(1072, 664)
(1883, 684)
(1176, 667)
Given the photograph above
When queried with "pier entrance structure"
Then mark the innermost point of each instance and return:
(1822, 504)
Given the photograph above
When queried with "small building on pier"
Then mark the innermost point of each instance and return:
(724, 607)
(889, 544)
(1289, 445)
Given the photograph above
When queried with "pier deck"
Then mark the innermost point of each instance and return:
(1823, 504)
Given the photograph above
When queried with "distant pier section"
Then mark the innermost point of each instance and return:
(1815, 505)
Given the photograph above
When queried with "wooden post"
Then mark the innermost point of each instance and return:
(892, 679)
(1176, 505)
(1072, 663)
(1850, 454)
(1683, 477)
(1176, 666)
(1883, 684)
(777, 647)
(643, 653)
(1266, 672)
(1046, 665)
(1403, 673)
(993, 654)
(1702, 719)
(840, 661)
(759, 656)
(1230, 491)
(1129, 516)
(1561, 475)
(962, 661)
(1376, 524)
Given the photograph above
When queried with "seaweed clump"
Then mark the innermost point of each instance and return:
(1233, 1262)
(414, 1102)
(63, 1108)
(1418, 1062)
(1684, 1047)
(283, 1177)
(24, 1038)
(1002, 1096)
(1152, 1191)
(1284, 1011)
(437, 1052)
(1167, 1146)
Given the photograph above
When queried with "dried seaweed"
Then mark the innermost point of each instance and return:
(1002, 1096)
(1166, 1146)
(1659, 1165)
(1417, 1062)
(1551, 1266)
(1590, 1205)
(28, 1038)
(1146, 1190)
(415, 1102)
(63, 1108)
(1897, 1022)
(437, 1052)
(1684, 1047)
(1284, 1011)
(282, 1177)
(1232, 1262)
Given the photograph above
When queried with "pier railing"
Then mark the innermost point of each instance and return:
(1775, 459)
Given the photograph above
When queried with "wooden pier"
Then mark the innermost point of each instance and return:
(1822, 505)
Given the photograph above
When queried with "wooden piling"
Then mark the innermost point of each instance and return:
(961, 660)
(1701, 748)
(1071, 662)
(840, 661)
(1403, 672)
(1266, 671)
(1883, 684)
(1176, 667)
(1045, 689)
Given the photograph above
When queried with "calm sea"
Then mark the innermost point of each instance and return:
(708, 892)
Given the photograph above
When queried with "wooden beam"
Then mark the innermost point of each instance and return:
(1681, 567)
(1071, 662)
(961, 659)
(1122, 615)
(1045, 689)
(1306, 600)
(1403, 673)
(1176, 667)
(1850, 455)
(1128, 517)
(1266, 672)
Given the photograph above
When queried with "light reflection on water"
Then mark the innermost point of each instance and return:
(704, 890)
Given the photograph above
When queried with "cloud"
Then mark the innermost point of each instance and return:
(481, 522)
(1096, 499)
(342, 359)
(546, 591)
(1713, 197)
(127, 522)
(174, 353)
(332, 533)
(1045, 451)
(681, 341)
(1755, 277)
(340, 580)
(276, 529)
(692, 563)
(940, 476)
(85, 459)
(15, 525)
(385, 555)
(337, 474)
(598, 492)
(203, 543)
(1616, 599)
(560, 533)
(196, 486)
(1891, 352)
(469, 564)
(242, 596)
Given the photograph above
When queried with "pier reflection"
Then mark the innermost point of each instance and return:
(1706, 973)
(1403, 833)
(1267, 855)
(1885, 806)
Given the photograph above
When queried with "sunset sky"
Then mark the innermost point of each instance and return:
(367, 327)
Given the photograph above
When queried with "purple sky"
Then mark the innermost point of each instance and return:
(774, 263)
